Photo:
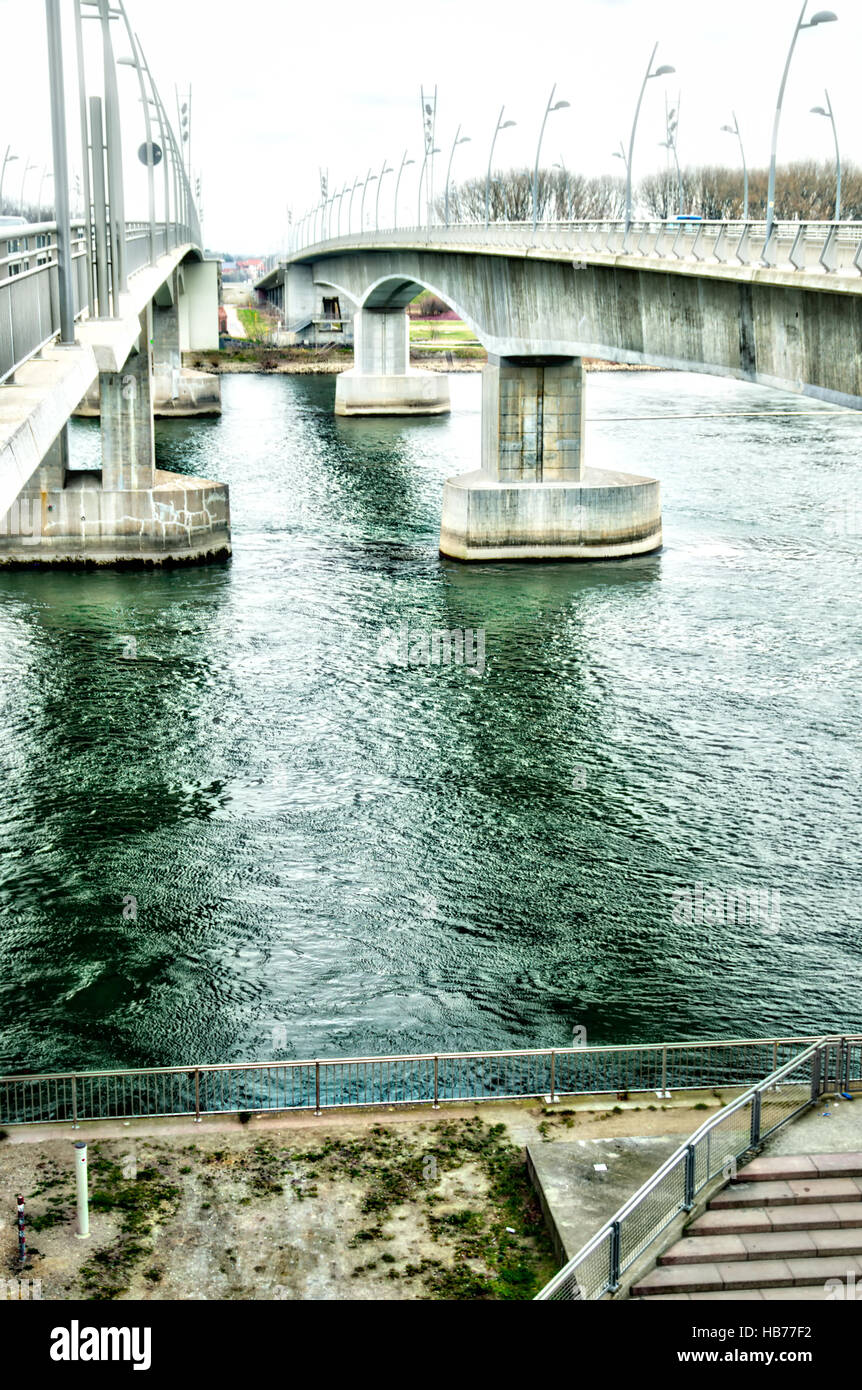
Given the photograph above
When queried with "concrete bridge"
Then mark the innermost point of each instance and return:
(100, 311)
(711, 297)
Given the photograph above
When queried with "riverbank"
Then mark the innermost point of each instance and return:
(252, 359)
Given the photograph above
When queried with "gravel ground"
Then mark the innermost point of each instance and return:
(410, 1204)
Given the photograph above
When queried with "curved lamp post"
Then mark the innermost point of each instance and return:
(8, 158)
(565, 173)
(385, 170)
(821, 17)
(664, 71)
(46, 174)
(501, 125)
(350, 206)
(369, 178)
(404, 163)
(559, 106)
(27, 169)
(459, 140)
(819, 111)
(340, 201)
(734, 130)
(428, 155)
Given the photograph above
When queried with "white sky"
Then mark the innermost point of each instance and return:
(281, 89)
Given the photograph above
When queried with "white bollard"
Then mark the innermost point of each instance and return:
(83, 1230)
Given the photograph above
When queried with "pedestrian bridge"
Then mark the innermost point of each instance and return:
(713, 297)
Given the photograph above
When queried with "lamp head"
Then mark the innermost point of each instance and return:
(507, 124)
(729, 128)
(822, 17)
(818, 111)
(560, 105)
(664, 71)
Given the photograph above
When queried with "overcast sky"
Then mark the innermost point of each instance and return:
(281, 89)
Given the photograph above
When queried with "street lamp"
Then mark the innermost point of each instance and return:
(501, 125)
(459, 140)
(8, 158)
(350, 207)
(664, 71)
(340, 201)
(821, 17)
(429, 154)
(369, 178)
(828, 112)
(404, 163)
(565, 173)
(560, 105)
(385, 170)
(46, 174)
(27, 169)
(672, 125)
(734, 130)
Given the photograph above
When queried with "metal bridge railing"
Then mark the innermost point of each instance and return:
(333, 1083)
(29, 287)
(714, 1149)
(814, 247)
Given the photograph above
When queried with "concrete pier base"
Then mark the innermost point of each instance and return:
(177, 520)
(178, 393)
(533, 498)
(412, 393)
(382, 382)
(604, 516)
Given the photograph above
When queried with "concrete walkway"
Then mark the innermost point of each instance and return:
(234, 324)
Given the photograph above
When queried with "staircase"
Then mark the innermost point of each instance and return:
(779, 1231)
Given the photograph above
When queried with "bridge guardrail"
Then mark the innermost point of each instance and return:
(29, 294)
(816, 247)
(427, 1079)
(715, 1148)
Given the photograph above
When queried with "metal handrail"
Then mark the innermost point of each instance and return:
(833, 248)
(609, 1240)
(29, 302)
(423, 1078)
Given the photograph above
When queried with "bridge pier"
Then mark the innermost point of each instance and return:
(533, 497)
(381, 382)
(129, 512)
(178, 391)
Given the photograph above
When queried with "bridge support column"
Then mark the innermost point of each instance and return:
(128, 435)
(381, 382)
(533, 497)
(178, 391)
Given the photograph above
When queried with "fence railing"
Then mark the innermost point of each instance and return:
(425, 1079)
(714, 1149)
(815, 247)
(29, 292)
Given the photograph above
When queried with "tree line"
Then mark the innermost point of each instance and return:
(805, 191)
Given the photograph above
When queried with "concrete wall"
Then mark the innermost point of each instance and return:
(756, 325)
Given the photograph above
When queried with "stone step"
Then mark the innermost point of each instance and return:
(794, 1191)
(765, 1245)
(761, 1274)
(739, 1221)
(789, 1167)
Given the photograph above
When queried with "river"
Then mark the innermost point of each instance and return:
(231, 829)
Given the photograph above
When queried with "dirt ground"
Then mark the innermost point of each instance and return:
(400, 1204)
